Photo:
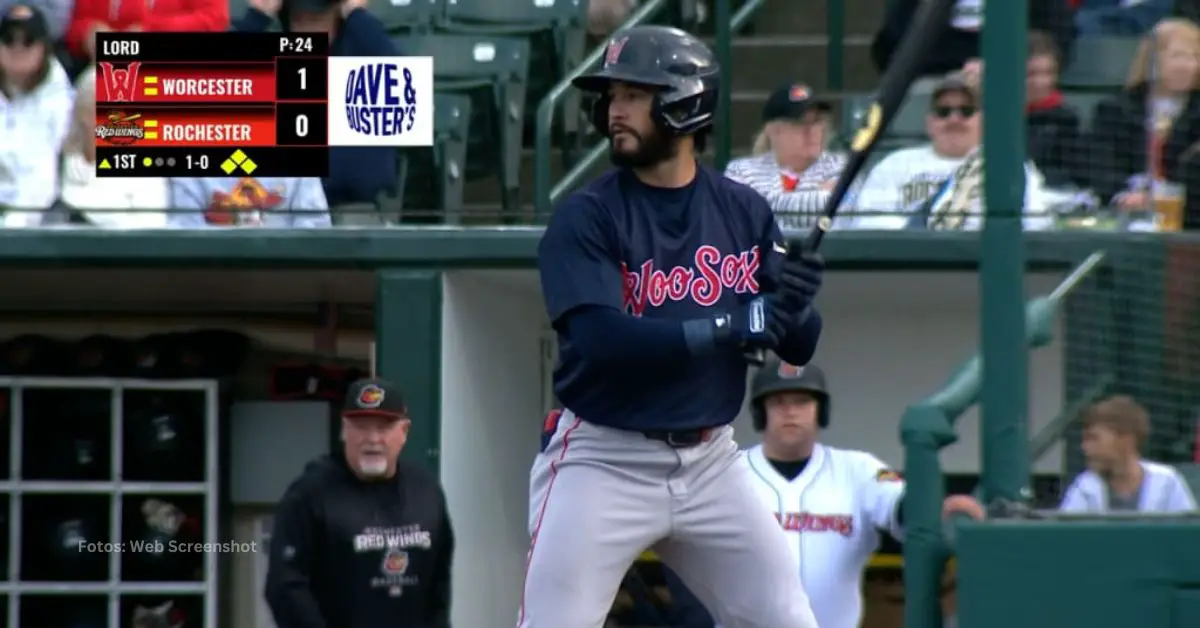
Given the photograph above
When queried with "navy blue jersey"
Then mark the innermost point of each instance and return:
(680, 254)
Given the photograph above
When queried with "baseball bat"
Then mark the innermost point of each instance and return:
(923, 32)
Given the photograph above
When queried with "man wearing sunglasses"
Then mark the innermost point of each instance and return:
(938, 185)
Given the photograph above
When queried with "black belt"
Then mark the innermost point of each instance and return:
(680, 439)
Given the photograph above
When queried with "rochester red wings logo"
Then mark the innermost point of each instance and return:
(118, 83)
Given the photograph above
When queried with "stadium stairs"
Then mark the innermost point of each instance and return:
(788, 43)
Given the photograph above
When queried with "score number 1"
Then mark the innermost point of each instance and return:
(300, 123)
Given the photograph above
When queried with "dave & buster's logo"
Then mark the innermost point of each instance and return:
(383, 101)
(119, 83)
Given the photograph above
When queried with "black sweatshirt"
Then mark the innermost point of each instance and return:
(346, 553)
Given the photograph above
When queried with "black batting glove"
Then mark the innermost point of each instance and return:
(801, 279)
(759, 323)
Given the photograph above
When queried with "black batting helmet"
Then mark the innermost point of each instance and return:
(678, 65)
(778, 376)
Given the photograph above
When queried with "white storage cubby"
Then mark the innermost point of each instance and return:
(21, 493)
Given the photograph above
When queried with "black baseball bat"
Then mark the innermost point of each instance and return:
(932, 18)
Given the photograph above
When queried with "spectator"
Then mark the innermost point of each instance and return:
(281, 203)
(960, 42)
(117, 203)
(1130, 130)
(100, 16)
(1053, 139)
(356, 175)
(790, 165)
(1118, 479)
(939, 184)
(1119, 17)
(604, 16)
(56, 12)
(35, 105)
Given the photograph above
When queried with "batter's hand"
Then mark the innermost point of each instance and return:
(757, 324)
(801, 279)
(963, 504)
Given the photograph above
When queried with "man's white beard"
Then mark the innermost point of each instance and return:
(372, 465)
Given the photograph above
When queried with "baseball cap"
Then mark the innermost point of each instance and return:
(955, 83)
(23, 23)
(374, 397)
(791, 102)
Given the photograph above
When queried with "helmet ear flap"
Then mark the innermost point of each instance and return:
(758, 416)
(599, 114)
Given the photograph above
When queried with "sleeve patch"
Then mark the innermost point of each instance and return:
(887, 475)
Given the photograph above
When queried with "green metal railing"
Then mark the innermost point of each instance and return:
(546, 192)
(928, 426)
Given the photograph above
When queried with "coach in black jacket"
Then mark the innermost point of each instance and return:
(362, 540)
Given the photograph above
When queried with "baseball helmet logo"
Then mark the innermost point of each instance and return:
(790, 371)
(799, 93)
(371, 397)
(613, 53)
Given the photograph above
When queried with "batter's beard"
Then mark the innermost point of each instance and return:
(652, 149)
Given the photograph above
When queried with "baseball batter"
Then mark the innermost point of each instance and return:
(657, 277)
(831, 503)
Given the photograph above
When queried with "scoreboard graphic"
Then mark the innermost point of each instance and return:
(236, 104)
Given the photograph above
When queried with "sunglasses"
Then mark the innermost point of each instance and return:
(942, 112)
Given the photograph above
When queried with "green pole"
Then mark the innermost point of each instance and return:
(724, 130)
(1004, 395)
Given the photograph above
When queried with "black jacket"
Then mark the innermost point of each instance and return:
(352, 554)
(1118, 145)
(1055, 144)
(955, 47)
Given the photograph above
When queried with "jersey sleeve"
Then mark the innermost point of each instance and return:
(290, 563)
(578, 259)
(1180, 497)
(1076, 499)
(772, 247)
(882, 489)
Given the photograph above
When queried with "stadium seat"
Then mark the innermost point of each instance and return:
(556, 31)
(1099, 63)
(451, 124)
(493, 71)
(415, 16)
(1084, 104)
(907, 126)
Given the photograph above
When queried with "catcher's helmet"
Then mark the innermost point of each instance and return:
(778, 376)
(678, 65)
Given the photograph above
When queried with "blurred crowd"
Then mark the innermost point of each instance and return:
(1125, 163)
(47, 104)
(1129, 168)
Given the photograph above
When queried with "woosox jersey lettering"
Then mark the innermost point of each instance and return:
(832, 514)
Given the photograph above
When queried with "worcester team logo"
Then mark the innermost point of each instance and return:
(380, 101)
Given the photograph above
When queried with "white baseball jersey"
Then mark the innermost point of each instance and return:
(1163, 490)
(832, 514)
(901, 183)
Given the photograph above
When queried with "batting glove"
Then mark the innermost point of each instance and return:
(757, 323)
(801, 279)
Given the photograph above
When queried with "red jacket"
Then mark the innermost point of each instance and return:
(158, 15)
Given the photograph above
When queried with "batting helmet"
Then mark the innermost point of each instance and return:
(679, 66)
(777, 376)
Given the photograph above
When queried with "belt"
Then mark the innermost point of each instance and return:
(680, 439)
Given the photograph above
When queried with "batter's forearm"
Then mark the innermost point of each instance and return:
(608, 338)
(800, 341)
